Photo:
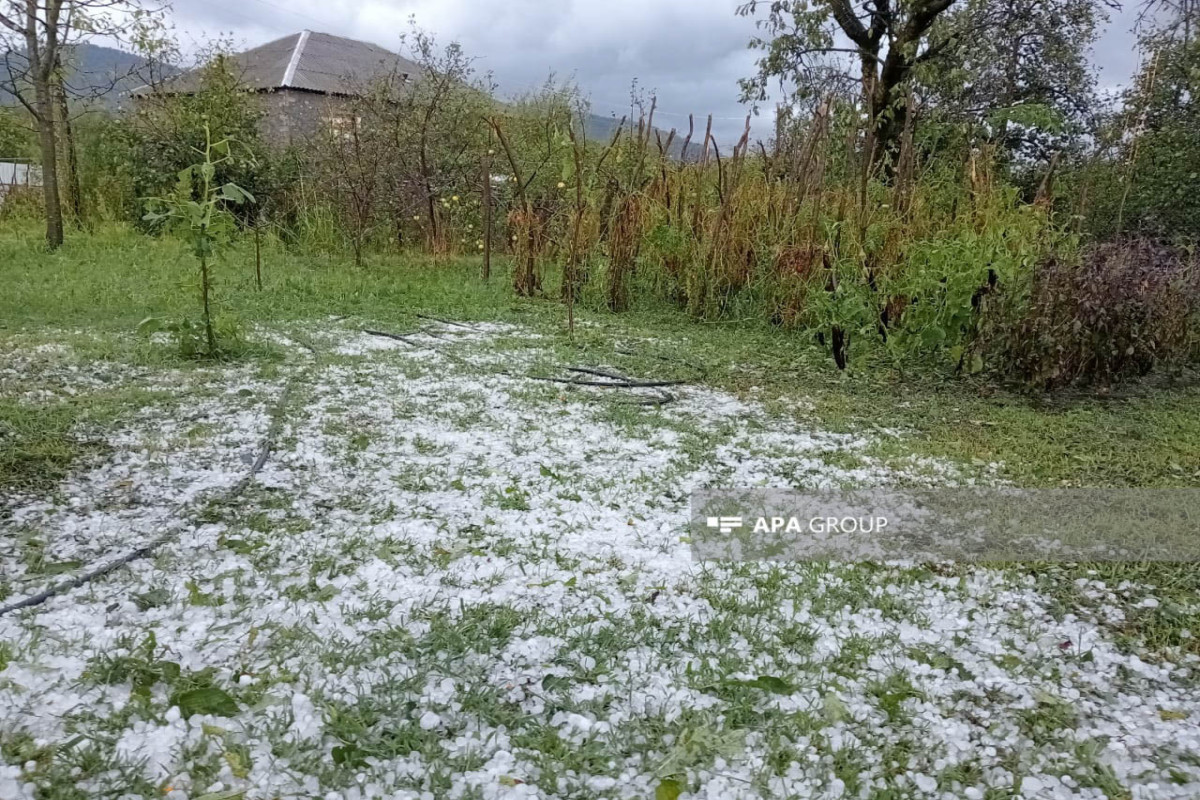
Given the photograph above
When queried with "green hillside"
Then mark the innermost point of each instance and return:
(95, 73)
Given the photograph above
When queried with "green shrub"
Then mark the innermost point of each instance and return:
(167, 131)
(22, 202)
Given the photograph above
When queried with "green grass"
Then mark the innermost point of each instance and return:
(113, 278)
(41, 443)
(38, 444)
(109, 280)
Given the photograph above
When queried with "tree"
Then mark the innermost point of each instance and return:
(1018, 72)
(351, 162)
(35, 34)
(200, 205)
(888, 38)
(16, 137)
(433, 123)
(168, 129)
(537, 152)
(1154, 172)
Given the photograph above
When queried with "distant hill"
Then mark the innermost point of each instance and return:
(104, 74)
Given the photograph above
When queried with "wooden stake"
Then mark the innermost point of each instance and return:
(487, 211)
(257, 254)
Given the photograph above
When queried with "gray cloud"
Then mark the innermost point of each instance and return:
(1115, 54)
(690, 54)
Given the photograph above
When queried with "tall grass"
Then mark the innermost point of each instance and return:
(809, 236)
(912, 259)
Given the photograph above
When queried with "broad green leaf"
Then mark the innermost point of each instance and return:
(349, 755)
(234, 194)
(767, 683)
(205, 700)
(553, 683)
(237, 764)
(772, 683)
(668, 789)
(834, 708)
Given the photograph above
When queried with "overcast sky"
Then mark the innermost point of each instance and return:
(688, 52)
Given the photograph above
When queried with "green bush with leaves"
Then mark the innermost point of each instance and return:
(199, 207)
(167, 130)
(16, 135)
(948, 279)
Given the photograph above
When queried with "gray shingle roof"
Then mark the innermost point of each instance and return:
(309, 61)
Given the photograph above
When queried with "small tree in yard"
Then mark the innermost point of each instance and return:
(426, 128)
(198, 205)
(350, 162)
(166, 130)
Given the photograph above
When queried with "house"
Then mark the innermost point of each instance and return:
(306, 81)
(18, 174)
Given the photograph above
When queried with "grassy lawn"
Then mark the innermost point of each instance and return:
(448, 580)
(112, 279)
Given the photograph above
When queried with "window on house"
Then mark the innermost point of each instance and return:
(344, 125)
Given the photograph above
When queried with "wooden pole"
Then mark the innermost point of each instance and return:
(572, 275)
(487, 212)
(257, 254)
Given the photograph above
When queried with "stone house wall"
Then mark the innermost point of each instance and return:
(292, 116)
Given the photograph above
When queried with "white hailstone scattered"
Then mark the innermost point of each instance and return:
(306, 722)
(12, 786)
(534, 528)
(925, 783)
(1030, 786)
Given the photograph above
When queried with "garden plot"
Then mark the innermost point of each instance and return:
(450, 580)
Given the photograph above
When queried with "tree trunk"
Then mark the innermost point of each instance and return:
(884, 76)
(71, 182)
(427, 186)
(887, 103)
(840, 347)
(49, 148)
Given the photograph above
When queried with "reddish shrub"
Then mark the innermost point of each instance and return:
(1117, 312)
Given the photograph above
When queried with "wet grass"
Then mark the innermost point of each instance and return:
(113, 278)
(744, 654)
